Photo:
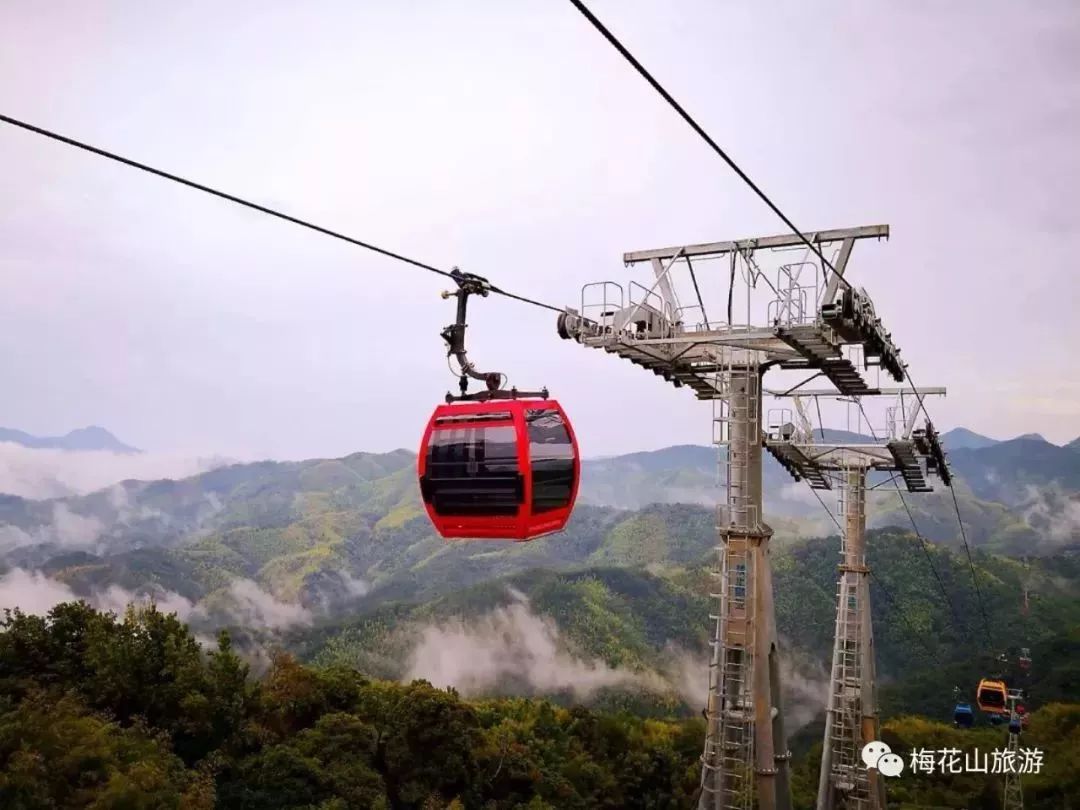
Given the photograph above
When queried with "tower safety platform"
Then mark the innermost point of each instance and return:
(907, 454)
(811, 320)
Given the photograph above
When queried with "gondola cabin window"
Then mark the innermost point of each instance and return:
(551, 455)
(476, 469)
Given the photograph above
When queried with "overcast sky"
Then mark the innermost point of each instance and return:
(510, 139)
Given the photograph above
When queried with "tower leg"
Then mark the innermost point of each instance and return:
(851, 720)
(774, 785)
(745, 730)
(1014, 793)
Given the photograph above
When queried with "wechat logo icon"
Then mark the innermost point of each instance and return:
(877, 754)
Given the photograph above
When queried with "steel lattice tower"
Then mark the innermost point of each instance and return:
(1013, 798)
(851, 718)
(809, 322)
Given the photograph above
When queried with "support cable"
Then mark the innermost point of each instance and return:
(254, 206)
(915, 529)
(900, 611)
(659, 88)
(960, 523)
(971, 566)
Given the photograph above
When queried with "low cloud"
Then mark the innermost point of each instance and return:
(117, 599)
(805, 683)
(129, 512)
(244, 603)
(509, 644)
(511, 648)
(806, 688)
(40, 474)
(1053, 513)
(248, 605)
(72, 530)
(333, 591)
(354, 586)
(12, 537)
(32, 592)
(62, 526)
(799, 492)
(65, 528)
(35, 593)
(687, 674)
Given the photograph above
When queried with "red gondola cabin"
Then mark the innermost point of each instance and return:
(501, 469)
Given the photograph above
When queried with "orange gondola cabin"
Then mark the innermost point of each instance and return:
(500, 469)
(992, 696)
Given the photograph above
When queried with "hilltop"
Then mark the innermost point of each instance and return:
(81, 439)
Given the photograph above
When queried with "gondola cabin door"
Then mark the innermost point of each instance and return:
(501, 469)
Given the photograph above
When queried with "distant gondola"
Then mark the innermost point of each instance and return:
(1022, 712)
(963, 716)
(991, 696)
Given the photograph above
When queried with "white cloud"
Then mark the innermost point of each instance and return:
(66, 528)
(1053, 512)
(508, 643)
(805, 683)
(688, 675)
(71, 529)
(117, 599)
(799, 492)
(354, 586)
(34, 592)
(249, 605)
(12, 537)
(38, 473)
(245, 602)
(333, 591)
(806, 688)
(513, 645)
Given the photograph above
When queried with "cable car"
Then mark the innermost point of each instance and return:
(503, 469)
(991, 696)
(1014, 723)
(1025, 718)
(1025, 659)
(495, 464)
(963, 716)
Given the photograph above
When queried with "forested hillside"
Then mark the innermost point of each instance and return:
(643, 629)
(130, 713)
(101, 713)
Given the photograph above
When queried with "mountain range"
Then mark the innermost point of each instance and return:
(290, 526)
(81, 439)
(335, 560)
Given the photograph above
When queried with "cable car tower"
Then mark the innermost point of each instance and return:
(1013, 798)
(908, 454)
(810, 322)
